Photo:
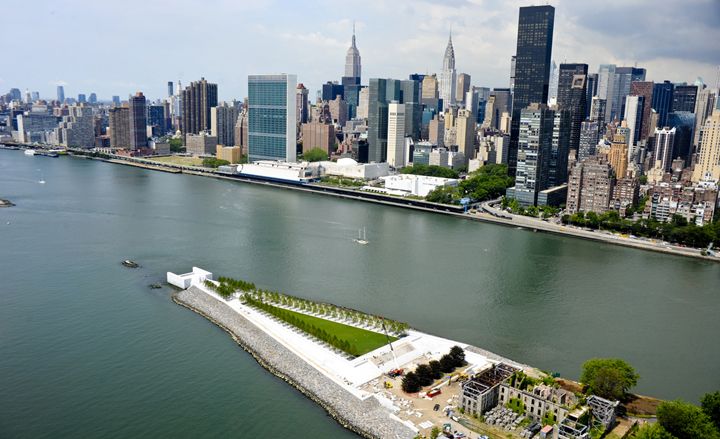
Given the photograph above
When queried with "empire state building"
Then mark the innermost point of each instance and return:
(352, 60)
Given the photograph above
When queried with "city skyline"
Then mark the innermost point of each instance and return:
(313, 44)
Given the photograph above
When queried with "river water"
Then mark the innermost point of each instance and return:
(88, 350)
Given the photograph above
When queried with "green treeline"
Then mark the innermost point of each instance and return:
(430, 170)
(677, 230)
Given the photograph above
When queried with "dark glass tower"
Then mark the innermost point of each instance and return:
(684, 97)
(377, 120)
(572, 96)
(662, 100)
(532, 67)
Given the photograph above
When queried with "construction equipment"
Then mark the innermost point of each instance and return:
(394, 373)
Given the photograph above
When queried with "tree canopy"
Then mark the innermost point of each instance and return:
(652, 431)
(211, 162)
(486, 183)
(609, 378)
(710, 404)
(686, 421)
(315, 155)
(430, 170)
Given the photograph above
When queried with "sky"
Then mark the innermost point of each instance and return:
(120, 47)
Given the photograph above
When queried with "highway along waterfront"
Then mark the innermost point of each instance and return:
(87, 349)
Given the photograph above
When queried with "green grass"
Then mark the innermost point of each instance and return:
(363, 340)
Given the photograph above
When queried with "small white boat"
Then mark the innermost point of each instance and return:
(29, 152)
(361, 239)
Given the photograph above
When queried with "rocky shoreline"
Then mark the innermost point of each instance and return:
(364, 417)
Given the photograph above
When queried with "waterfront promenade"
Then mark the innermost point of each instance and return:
(482, 215)
(498, 217)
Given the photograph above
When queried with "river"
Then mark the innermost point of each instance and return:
(87, 349)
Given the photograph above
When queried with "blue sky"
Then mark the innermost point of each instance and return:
(117, 48)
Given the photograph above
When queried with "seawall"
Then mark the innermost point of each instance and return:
(364, 417)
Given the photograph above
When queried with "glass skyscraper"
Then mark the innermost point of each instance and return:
(272, 130)
(662, 100)
(532, 67)
(572, 95)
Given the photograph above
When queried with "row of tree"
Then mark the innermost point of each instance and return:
(534, 211)
(223, 290)
(682, 420)
(676, 230)
(228, 286)
(332, 311)
(488, 182)
(238, 284)
(426, 374)
(303, 325)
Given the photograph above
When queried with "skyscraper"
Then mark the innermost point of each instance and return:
(708, 165)
(197, 99)
(533, 154)
(93, 98)
(330, 90)
(591, 90)
(644, 89)
(377, 120)
(157, 119)
(463, 86)
(170, 88)
(664, 143)
(624, 77)
(138, 121)
(465, 125)
(589, 136)
(396, 135)
(448, 76)
(119, 124)
(532, 67)
(553, 84)
(662, 100)
(60, 94)
(618, 155)
(684, 98)
(606, 87)
(352, 60)
(301, 103)
(222, 123)
(272, 133)
(590, 187)
(703, 110)
(82, 98)
(571, 95)
(634, 111)
(430, 95)
(560, 148)
(413, 111)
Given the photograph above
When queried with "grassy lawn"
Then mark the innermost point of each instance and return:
(364, 340)
(179, 160)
